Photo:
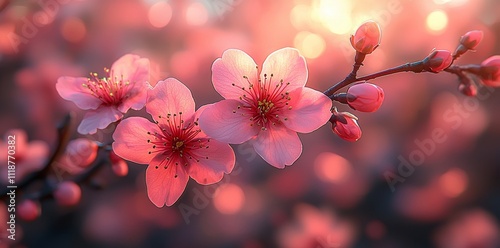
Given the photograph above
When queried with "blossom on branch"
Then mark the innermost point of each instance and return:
(490, 71)
(269, 108)
(173, 145)
(365, 97)
(108, 98)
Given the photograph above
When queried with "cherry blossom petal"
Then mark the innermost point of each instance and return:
(220, 160)
(231, 69)
(136, 97)
(131, 68)
(131, 139)
(165, 185)
(310, 110)
(72, 89)
(223, 121)
(285, 64)
(170, 97)
(278, 146)
(99, 119)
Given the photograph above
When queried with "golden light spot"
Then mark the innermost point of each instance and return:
(335, 15)
(229, 198)
(159, 14)
(300, 16)
(437, 21)
(309, 44)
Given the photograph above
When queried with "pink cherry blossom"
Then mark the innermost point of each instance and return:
(365, 97)
(269, 109)
(367, 37)
(108, 98)
(173, 145)
(29, 156)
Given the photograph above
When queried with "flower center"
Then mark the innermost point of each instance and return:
(178, 145)
(267, 102)
(111, 91)
(177, 141)
(264, 106)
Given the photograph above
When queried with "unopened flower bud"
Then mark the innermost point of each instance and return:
(438, 60)
(365, 97)
(28, 210)
(490, 71)
(468, 89)
(367, 37)
(471, 39)
(345, 125)
(68, 193)
(81, 152)
(468, 41)
(118, 165)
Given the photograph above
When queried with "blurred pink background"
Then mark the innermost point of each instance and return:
(336, 194)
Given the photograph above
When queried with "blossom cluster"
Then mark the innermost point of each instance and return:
(266, 106)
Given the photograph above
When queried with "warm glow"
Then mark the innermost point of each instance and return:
(330, 167)
(229, 198)
(299, 16)
(437, 20)
(453, 182)
(335, 15)
(309, 44)
(451, 2)
(73, 30)
(160, 14)
(196, 14)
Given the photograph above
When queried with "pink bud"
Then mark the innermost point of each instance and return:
(367, 37)
(28, 210)
(68, 193)
(345, 125)
(119, 166)
(438, 60)
(471, 39)
(468, 89)
(365, 97)
(81, 152)
(490, 71)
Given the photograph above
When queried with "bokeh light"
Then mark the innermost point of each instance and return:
(159, 14)
(73, 29)
(330, 167)
(437, 20)
(196, 14)
(229, 198)
(309, 44)
(453, 182)
(335, 15)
